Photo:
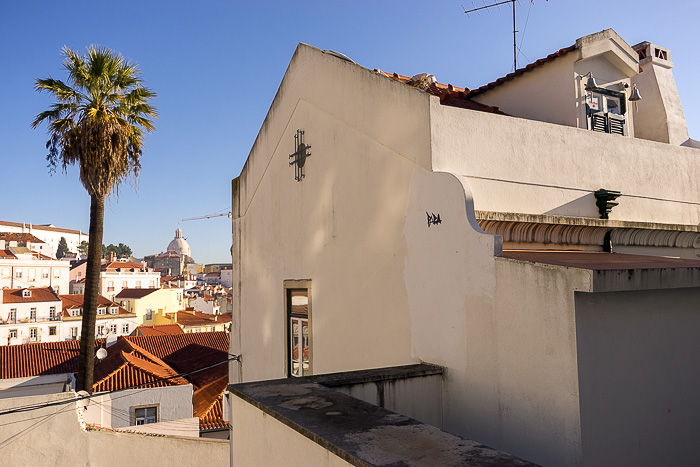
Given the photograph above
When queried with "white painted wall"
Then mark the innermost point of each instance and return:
(47, 273)
(53, 436)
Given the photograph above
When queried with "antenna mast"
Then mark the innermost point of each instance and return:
(487, 8)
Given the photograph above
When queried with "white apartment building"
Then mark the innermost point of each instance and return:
(49, 234)
(116, 276)
(112, 319)
(22, 268)
(29, 315)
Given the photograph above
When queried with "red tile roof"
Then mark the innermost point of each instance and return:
(520, 71)
(37, 294)
(7, 254)
(127, 294)
(450, 95)
(151, 361)
(19, 237)
(158, 330)
(73, 301)
(40, 227)
(124, 265)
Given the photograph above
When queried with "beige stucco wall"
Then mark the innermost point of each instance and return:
(646, 413)
(53, 436)
(259, 439)
(355, 122)
(389, 289)
(517, 165)
(660, 113)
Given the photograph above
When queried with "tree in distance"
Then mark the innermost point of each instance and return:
(98, 122)
(62, 248)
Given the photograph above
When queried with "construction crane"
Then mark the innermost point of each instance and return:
(227, 214)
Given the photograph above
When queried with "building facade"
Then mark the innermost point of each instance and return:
(400, 220)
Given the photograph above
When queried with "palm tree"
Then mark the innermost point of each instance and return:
(98, 123)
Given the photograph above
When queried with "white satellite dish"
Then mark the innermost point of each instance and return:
(102, 353)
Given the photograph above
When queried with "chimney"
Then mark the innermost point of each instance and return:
(111, 257)
(659, 115)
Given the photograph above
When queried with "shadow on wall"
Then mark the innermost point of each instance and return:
(581, 207)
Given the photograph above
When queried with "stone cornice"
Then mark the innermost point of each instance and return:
(541, 228)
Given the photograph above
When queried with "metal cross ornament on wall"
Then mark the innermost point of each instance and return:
(299, 156)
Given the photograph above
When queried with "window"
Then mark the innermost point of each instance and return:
(100, 330)
(606, 111)
(5, 272)
(18, 273)
(152, 285)
(298, 308)
(56, 273)
(102, 310)
(138, 284)
(56, 289)
(75, 312)
(125, 284)
(13, 315)
(149, 314)
(26, 293)
(45, 273)
(113, 310)
(32, 315)
(110, 286)
(52, 313)
(74, 333)
(31, 274)
(52, 330)
(113, 328)
(32, 334)
(125, 328)
(144, 415)
(13, 333)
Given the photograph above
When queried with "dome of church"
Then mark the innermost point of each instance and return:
(179, 245)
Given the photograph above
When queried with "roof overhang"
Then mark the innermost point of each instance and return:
(613, 48)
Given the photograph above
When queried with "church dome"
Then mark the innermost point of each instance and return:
(179, 245)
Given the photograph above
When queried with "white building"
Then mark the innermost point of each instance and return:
(116, 276)
(29, 315)
(546, 259)
(112, 319)
(49, 234)
(20, 268)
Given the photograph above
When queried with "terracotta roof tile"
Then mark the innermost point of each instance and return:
(125, 265)
(159, 330)
(126, 294)
(520, 71)
(37, 294)
(19, 237)
(41, 227)
(450, 95)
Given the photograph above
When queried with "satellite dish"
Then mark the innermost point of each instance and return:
(111, 339)
(102, 353)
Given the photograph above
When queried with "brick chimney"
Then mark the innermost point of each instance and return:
(111, 257)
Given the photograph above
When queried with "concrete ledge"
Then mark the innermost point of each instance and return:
(360, 433)
(376, 374)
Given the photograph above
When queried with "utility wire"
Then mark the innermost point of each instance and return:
(29, 408)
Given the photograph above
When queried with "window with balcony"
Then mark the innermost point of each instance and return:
(13, 315)
(52, 313)
(32, 315)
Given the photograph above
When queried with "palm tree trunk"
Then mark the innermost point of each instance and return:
(86, 360)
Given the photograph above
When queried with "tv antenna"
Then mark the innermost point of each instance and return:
(488, 7)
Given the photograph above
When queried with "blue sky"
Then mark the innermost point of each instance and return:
(216, 66)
